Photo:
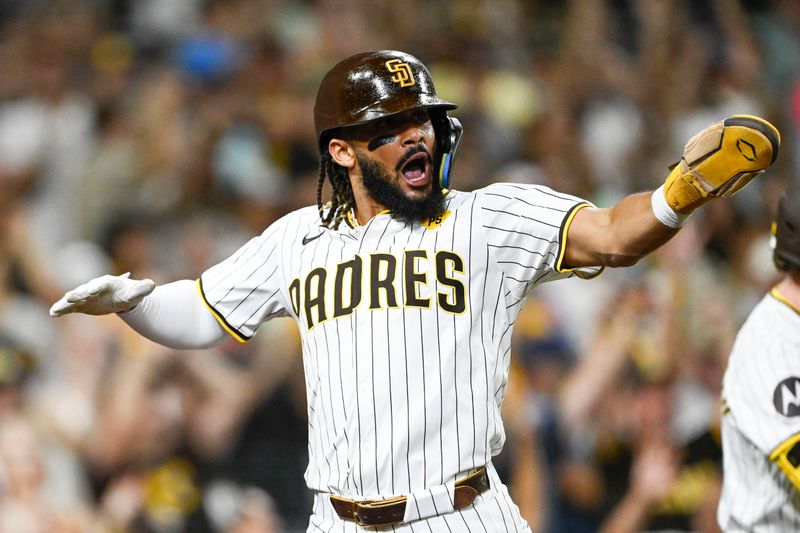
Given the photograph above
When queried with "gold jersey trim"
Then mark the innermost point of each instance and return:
(563, 244)
(222, 322)
(775, 293)
(786, 457)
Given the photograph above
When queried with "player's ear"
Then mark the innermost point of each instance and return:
(342, 153)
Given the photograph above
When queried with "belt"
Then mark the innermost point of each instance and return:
(392, 511)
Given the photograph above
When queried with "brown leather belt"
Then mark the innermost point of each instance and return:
(392, 511)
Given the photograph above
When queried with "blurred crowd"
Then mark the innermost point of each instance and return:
(156, 136)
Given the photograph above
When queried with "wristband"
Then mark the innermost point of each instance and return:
(663, 212)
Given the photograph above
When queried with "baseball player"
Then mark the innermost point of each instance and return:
(405, 293)
(761, 399)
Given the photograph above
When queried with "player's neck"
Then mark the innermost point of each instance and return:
(365, 207)
(789, 289)
(366, 211)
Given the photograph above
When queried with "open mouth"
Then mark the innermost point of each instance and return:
(417, 170)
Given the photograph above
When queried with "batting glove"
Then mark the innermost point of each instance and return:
(104, 295)
(720, 160)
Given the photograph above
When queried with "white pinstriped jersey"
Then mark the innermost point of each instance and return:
(761, 412)
(406, 329)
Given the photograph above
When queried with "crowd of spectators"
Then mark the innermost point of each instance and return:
(156, 136)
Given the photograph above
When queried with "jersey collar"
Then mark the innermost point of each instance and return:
(781, 298)
(352, 221)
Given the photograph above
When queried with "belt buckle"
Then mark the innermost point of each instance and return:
(356, 516)
(370, 504)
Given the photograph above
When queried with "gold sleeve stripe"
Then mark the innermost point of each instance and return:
(222, 322)
(789, 464)
(563, 246)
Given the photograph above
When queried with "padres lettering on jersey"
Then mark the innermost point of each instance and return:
(406, 329)
(383, 274)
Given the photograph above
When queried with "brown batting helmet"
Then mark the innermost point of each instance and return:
(786, 230)
(372, 85)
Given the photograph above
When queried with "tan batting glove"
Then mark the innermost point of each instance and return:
(104, 295)
(720, 160)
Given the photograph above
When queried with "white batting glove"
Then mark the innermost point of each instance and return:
(104, 295)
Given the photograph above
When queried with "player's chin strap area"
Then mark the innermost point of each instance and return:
(451, 140)
(426, 503)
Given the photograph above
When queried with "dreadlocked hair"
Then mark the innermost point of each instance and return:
(341, 196)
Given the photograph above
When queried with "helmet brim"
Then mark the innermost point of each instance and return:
(383, 109)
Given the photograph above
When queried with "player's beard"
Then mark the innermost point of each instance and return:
(379, 183)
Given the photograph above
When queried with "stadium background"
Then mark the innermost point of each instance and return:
(156, 136)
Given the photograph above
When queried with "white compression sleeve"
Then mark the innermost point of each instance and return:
(175, 316)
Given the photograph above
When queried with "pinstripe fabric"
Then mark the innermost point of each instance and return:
(756, 495)
(406, 332)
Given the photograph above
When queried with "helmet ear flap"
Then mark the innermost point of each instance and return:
(448, 138)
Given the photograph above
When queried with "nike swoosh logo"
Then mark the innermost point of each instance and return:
(308, 239)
